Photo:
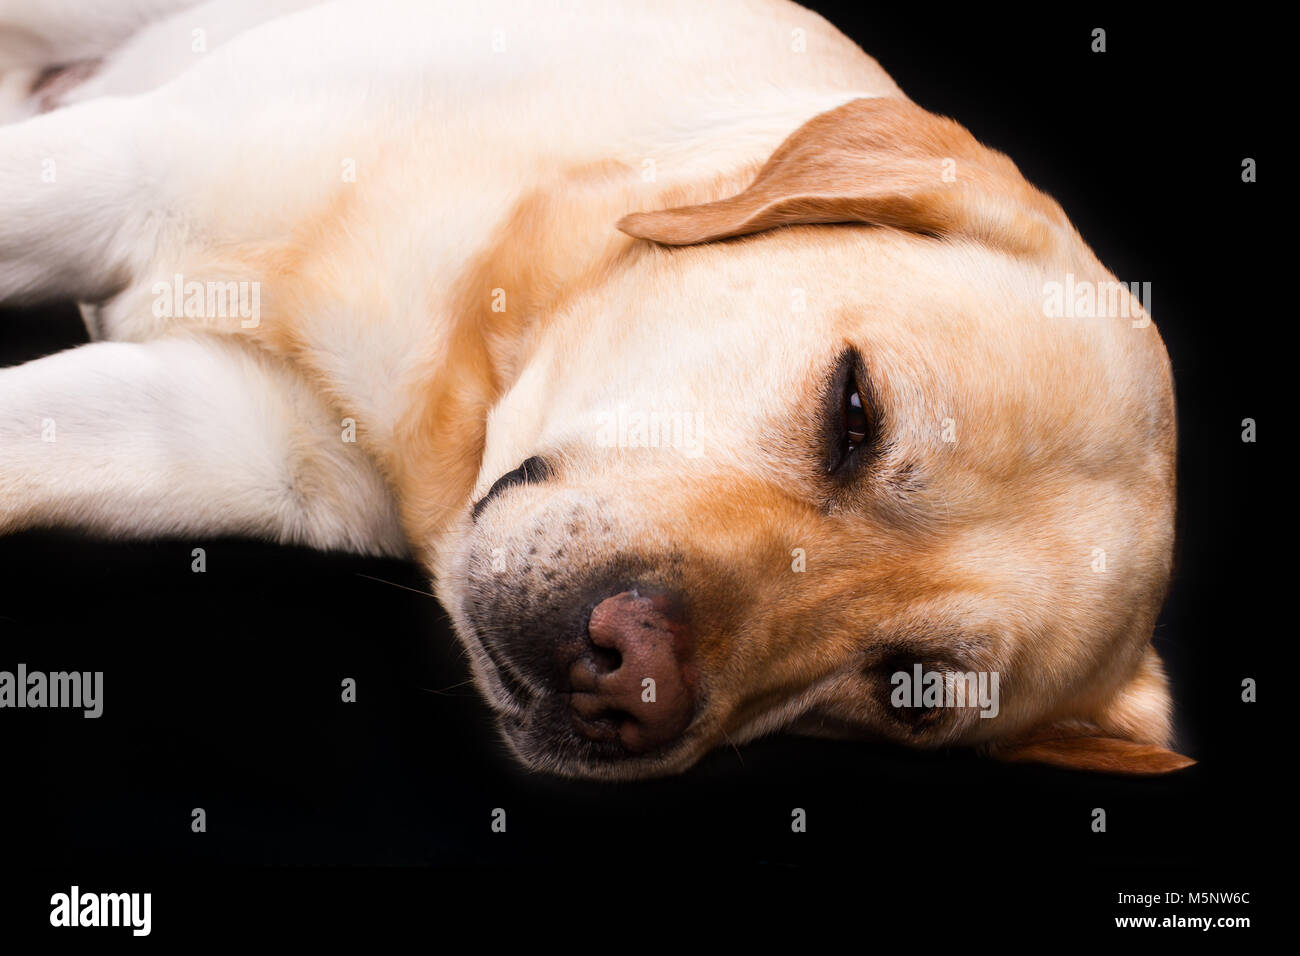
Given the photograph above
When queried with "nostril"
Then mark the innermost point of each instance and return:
(606, 659)
(532, 471)
(592, 668)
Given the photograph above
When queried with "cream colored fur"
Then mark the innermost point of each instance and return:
(426, 195)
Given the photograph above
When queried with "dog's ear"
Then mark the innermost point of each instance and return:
(881, 161)
(1124, 735)
(1098, 754)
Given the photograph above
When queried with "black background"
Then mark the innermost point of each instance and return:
(222, 689)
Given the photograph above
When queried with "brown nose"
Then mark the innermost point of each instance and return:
(636, 685)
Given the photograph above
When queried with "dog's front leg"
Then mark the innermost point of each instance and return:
(184, 436)
(82, 201)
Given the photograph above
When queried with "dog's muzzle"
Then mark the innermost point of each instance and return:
(588, 668)
(614, 682)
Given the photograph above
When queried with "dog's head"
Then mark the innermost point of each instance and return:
(820, 477)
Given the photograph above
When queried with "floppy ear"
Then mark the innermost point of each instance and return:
(1123, 735)
(1099, 754)
(882, 161)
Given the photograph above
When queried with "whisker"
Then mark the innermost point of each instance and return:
(396, 585)
(734, 747)
(445, 689)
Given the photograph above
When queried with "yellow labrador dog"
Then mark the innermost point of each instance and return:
(720, 388)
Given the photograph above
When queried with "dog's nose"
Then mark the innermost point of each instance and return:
(636, 683)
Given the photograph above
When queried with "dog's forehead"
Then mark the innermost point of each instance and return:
(946, 327)
(729, 346)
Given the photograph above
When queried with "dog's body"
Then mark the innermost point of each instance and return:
(421, 201)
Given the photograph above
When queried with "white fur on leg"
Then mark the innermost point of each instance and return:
(81, 201)
(184, 436)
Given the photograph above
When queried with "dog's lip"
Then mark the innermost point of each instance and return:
(560, 748)
(505, 692)
(575, 757)
(510, 683)
(508, 697)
